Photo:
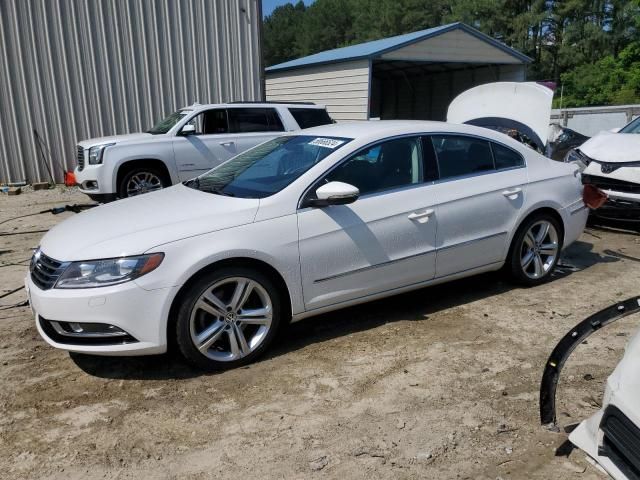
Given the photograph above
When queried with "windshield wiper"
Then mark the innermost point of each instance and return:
(217, 191)
(193, 183)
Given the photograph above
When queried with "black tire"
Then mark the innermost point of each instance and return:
(513, 265)
(152, 172)
(205, 283)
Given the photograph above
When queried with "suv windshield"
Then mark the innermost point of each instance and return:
(164, 125)
(267, 168)
(633, 127)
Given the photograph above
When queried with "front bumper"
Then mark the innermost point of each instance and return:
(619, 207)
(141, 313)
(95, 180)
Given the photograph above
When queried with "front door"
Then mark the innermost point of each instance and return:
(384, 240)
(209, 146)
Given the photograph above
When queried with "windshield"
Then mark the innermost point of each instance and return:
(633, 127)
(267, 168)
(167, 123)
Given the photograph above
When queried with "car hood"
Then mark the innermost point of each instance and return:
(135, 225)
(113, 139)
(523, 106)
(613, 147)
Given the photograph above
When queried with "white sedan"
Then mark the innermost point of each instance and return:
(306, 223)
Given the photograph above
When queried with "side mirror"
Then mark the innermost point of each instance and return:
(188, 129)
(335, 193)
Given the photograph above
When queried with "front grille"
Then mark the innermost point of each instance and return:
(80, 157)
(621, 442)
(45, 271)
(611, 184)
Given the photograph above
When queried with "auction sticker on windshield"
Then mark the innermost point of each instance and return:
(326, 142)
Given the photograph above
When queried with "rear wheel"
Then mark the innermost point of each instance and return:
(228, 318)
(142, 180)
(535, 250)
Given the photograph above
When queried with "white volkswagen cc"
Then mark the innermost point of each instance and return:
(306, 223)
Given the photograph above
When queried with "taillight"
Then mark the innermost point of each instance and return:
(593, 197)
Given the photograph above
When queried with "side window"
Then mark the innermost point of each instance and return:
(215, 121)
(210, 122)
(505, 157)
(391, 164)
(459, 155)
(310, 117)
(246, 120)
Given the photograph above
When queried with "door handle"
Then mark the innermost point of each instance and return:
(512, 193)
(421, 217)
(227, 144)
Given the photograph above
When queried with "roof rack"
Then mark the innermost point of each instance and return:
(275, 101)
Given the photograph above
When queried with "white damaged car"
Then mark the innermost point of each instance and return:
(611, 162)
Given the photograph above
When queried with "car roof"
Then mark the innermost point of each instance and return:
(386, 128)
(206, 106)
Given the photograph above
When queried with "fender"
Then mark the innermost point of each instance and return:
(161, 151)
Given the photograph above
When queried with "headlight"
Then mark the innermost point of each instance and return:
(109, 271)
(576, 156)
(96, 153)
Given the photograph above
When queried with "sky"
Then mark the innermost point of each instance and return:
(269, 5)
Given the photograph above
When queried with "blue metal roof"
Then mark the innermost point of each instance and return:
(375, 48)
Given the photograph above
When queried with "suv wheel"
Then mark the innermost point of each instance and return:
(228, 318)
(142, 180)
(535, 250)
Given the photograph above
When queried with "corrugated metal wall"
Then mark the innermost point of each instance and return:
(342, 87)
(77, 69)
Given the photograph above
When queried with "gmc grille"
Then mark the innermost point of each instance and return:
(80, 157)
(621, 442)
(45, 271)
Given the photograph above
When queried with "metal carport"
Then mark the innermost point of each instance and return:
(409, 76)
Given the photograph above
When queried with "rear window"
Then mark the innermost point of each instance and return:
(458, 156)
(246, 120)
(506, 158)
(310, 117)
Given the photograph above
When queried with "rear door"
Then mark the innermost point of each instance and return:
(251, 126)
(384, 240)
(480, 192)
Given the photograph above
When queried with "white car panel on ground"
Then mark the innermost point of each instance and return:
(621, 397)
(409, 228)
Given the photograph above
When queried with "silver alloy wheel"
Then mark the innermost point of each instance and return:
(231, 319)
(143, 182)
(539, 249)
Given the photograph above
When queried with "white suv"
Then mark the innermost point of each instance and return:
(184, 145)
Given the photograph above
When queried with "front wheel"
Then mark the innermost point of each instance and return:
(228, 318)
(535, 250)
(142, 180)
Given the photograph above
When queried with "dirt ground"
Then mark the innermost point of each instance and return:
(439, 383)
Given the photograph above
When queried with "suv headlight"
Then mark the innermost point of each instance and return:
(108, 271)
(97, 152)
(576, 156)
